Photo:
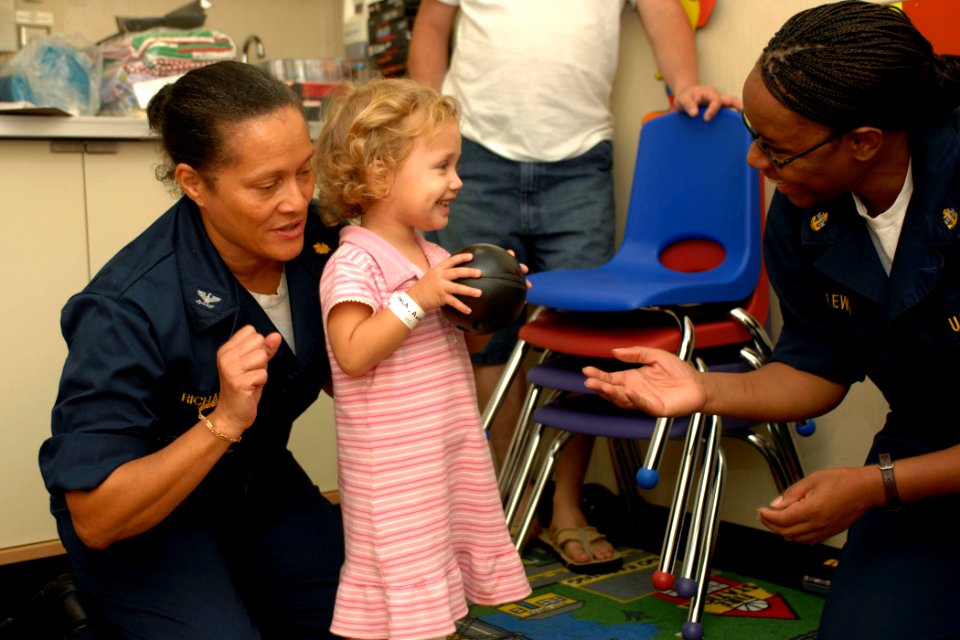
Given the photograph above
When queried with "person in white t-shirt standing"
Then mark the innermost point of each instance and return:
(534, 79)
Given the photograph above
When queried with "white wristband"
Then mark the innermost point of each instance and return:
(405, 308)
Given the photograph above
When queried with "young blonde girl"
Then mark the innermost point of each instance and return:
(424, 527)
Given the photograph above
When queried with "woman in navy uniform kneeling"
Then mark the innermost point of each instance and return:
(191, 353)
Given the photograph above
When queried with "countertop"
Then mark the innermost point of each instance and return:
(84, 127)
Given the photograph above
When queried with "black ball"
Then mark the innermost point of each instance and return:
(504, 291)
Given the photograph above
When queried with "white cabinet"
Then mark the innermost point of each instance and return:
(68, 206)
(123, 195)
(44, 259)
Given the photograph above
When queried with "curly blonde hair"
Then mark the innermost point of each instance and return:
(368, 132)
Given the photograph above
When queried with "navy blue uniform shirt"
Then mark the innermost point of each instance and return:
(844, 319)
(143, 338)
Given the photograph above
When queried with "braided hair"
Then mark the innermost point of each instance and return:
(851, 63)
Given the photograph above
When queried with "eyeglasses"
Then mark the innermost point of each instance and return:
(778, 163)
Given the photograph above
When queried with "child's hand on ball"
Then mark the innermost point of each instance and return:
(523, 267)
(438, 286)
(503, 287)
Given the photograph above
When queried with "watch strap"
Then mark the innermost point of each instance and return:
(889, 482)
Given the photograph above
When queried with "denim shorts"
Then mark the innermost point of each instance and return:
(554, 215)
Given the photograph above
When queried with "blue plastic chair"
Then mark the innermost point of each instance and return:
(692, 236)
(691, 184)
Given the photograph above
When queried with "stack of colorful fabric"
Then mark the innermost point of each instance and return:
(153, 55)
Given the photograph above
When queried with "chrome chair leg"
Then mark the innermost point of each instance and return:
(699, 521)
(779, 432)
(781, 435)
(663, 577)
(521, 473)
(518, 440)
(692, 629)
(542, 476)
(761, 339)
(772, 455)
(648, 475)
(510, 370)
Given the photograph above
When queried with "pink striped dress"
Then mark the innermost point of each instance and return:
(424, 526)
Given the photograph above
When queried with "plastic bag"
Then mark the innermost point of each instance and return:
(59, 71)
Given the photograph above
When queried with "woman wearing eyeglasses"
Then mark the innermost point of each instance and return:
(856, 122)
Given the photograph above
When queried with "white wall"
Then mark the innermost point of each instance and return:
(288, 28)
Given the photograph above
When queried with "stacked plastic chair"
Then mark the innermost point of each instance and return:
(692, 237)
(558, 399)
(688, 274)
